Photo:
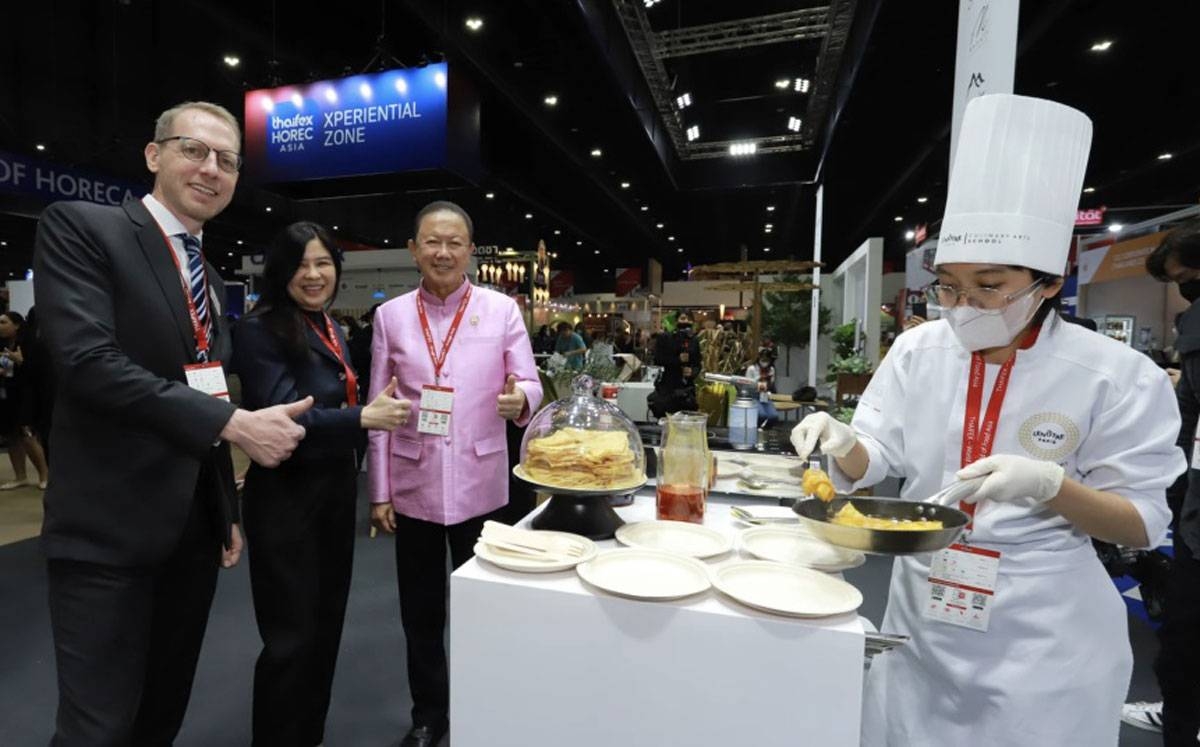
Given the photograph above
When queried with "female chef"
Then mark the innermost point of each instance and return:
(1018, 635)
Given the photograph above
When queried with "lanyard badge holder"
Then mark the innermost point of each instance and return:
(205, 376)
(962, 578)
(330, 340)
(437, 401)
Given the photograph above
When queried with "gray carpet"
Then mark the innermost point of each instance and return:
(370, 694)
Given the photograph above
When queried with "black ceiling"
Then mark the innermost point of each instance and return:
(87, 78)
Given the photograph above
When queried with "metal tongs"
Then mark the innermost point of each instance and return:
(955, 491)
(878, 643)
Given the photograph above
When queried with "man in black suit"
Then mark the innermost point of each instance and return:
(141, 509)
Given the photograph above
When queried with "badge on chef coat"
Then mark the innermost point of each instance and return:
(962, 586)
(208, 378)
(437, 403)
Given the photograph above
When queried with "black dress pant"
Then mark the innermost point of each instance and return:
(421, 575)
(299, 521)
(1178, 662)
(126, 640)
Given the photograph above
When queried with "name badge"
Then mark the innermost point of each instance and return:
(437, 404)
(208, 378)
(962, 586)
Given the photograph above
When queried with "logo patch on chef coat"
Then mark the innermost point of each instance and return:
(1050, 436)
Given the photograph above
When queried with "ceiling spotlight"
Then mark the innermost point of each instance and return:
(770, 208)
(658, 225)
(683, 101)
(645, 208)
(3, 243)
(769, 225)
(528, 216)
(335, 228)
(551, 100)
(239, 242)
(595, 251)
(910, 235)
(474, 23)
(742, 148)
(268, 208)
(624, 185)
(40, 147)
(767, 249)
(793, 124)
(1115, 227)
(230, 254)
(693, 133)
(898, 218)
(651, 3)
(578, 243)
(681, 250)
(1102, 46)
(670, 238)
(1164, 156)
(782, 83)
(922, 200)
(802, 85)
(490, 195)
(1089, 190)
(596, 152)
(386, 241)
(232, 61)
(767, 229)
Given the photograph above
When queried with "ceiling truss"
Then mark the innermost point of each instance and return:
(796, 25)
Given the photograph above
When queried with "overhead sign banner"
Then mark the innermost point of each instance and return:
(37, 178)
(986, 57)
(628, 279)
(562, 283)
(1093, 217)
(377, 123)
(1118, 261)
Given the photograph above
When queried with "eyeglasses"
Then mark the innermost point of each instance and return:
(197, 150)
(983, 299)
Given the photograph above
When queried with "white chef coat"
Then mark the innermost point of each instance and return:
(1054, 666)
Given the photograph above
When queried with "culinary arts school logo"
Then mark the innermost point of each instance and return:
(1049, 435)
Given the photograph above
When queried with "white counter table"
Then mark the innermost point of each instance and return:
(543, 659)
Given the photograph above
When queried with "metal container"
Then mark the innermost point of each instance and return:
(743, 423)
(815, 514)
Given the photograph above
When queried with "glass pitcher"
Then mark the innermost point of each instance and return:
(684, 468)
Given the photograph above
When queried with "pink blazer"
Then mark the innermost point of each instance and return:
(449, 479)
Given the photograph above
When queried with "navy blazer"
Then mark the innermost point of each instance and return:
(333, 428)
(133, 443)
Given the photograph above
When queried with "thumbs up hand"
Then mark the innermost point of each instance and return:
(385, 412)
(511, 402)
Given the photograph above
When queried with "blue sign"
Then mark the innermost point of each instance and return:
(37, 178)
(365, 124)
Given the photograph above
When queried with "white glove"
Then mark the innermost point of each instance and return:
(1014, 479)
(837, 439)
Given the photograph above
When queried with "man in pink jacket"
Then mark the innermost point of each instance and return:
(463, 356)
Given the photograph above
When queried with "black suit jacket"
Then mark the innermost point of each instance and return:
(332, 428)
(134, 444)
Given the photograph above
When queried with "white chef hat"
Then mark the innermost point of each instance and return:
(1015, 184)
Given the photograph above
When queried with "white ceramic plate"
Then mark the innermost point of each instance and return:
(515, 562)
(681, 537)
(790, 545)
(785, 589)
(645, 574)
(628, 486)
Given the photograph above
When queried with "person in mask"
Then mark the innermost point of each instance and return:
(1073, 435)
(1177, 260)
(678, 353)
(763, 371)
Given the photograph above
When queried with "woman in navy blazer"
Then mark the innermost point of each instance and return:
(299, 517)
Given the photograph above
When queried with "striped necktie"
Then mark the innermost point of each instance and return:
(197, 283)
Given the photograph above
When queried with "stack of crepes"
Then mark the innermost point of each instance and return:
(581, 459)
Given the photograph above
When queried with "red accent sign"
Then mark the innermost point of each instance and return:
(921, 233)
(628, 278)
(1093, 217)
(562, 282)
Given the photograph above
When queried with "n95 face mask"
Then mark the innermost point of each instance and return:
(979, 329)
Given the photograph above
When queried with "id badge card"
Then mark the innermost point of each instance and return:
(437, 404)
(962, 586)
(208, 378)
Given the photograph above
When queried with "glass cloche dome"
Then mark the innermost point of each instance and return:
(580, 449)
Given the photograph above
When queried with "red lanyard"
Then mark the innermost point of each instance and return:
(979, 437)
(331, 341)
(198, 327)
(440, 359)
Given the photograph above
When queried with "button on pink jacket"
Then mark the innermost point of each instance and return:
(449, 479)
